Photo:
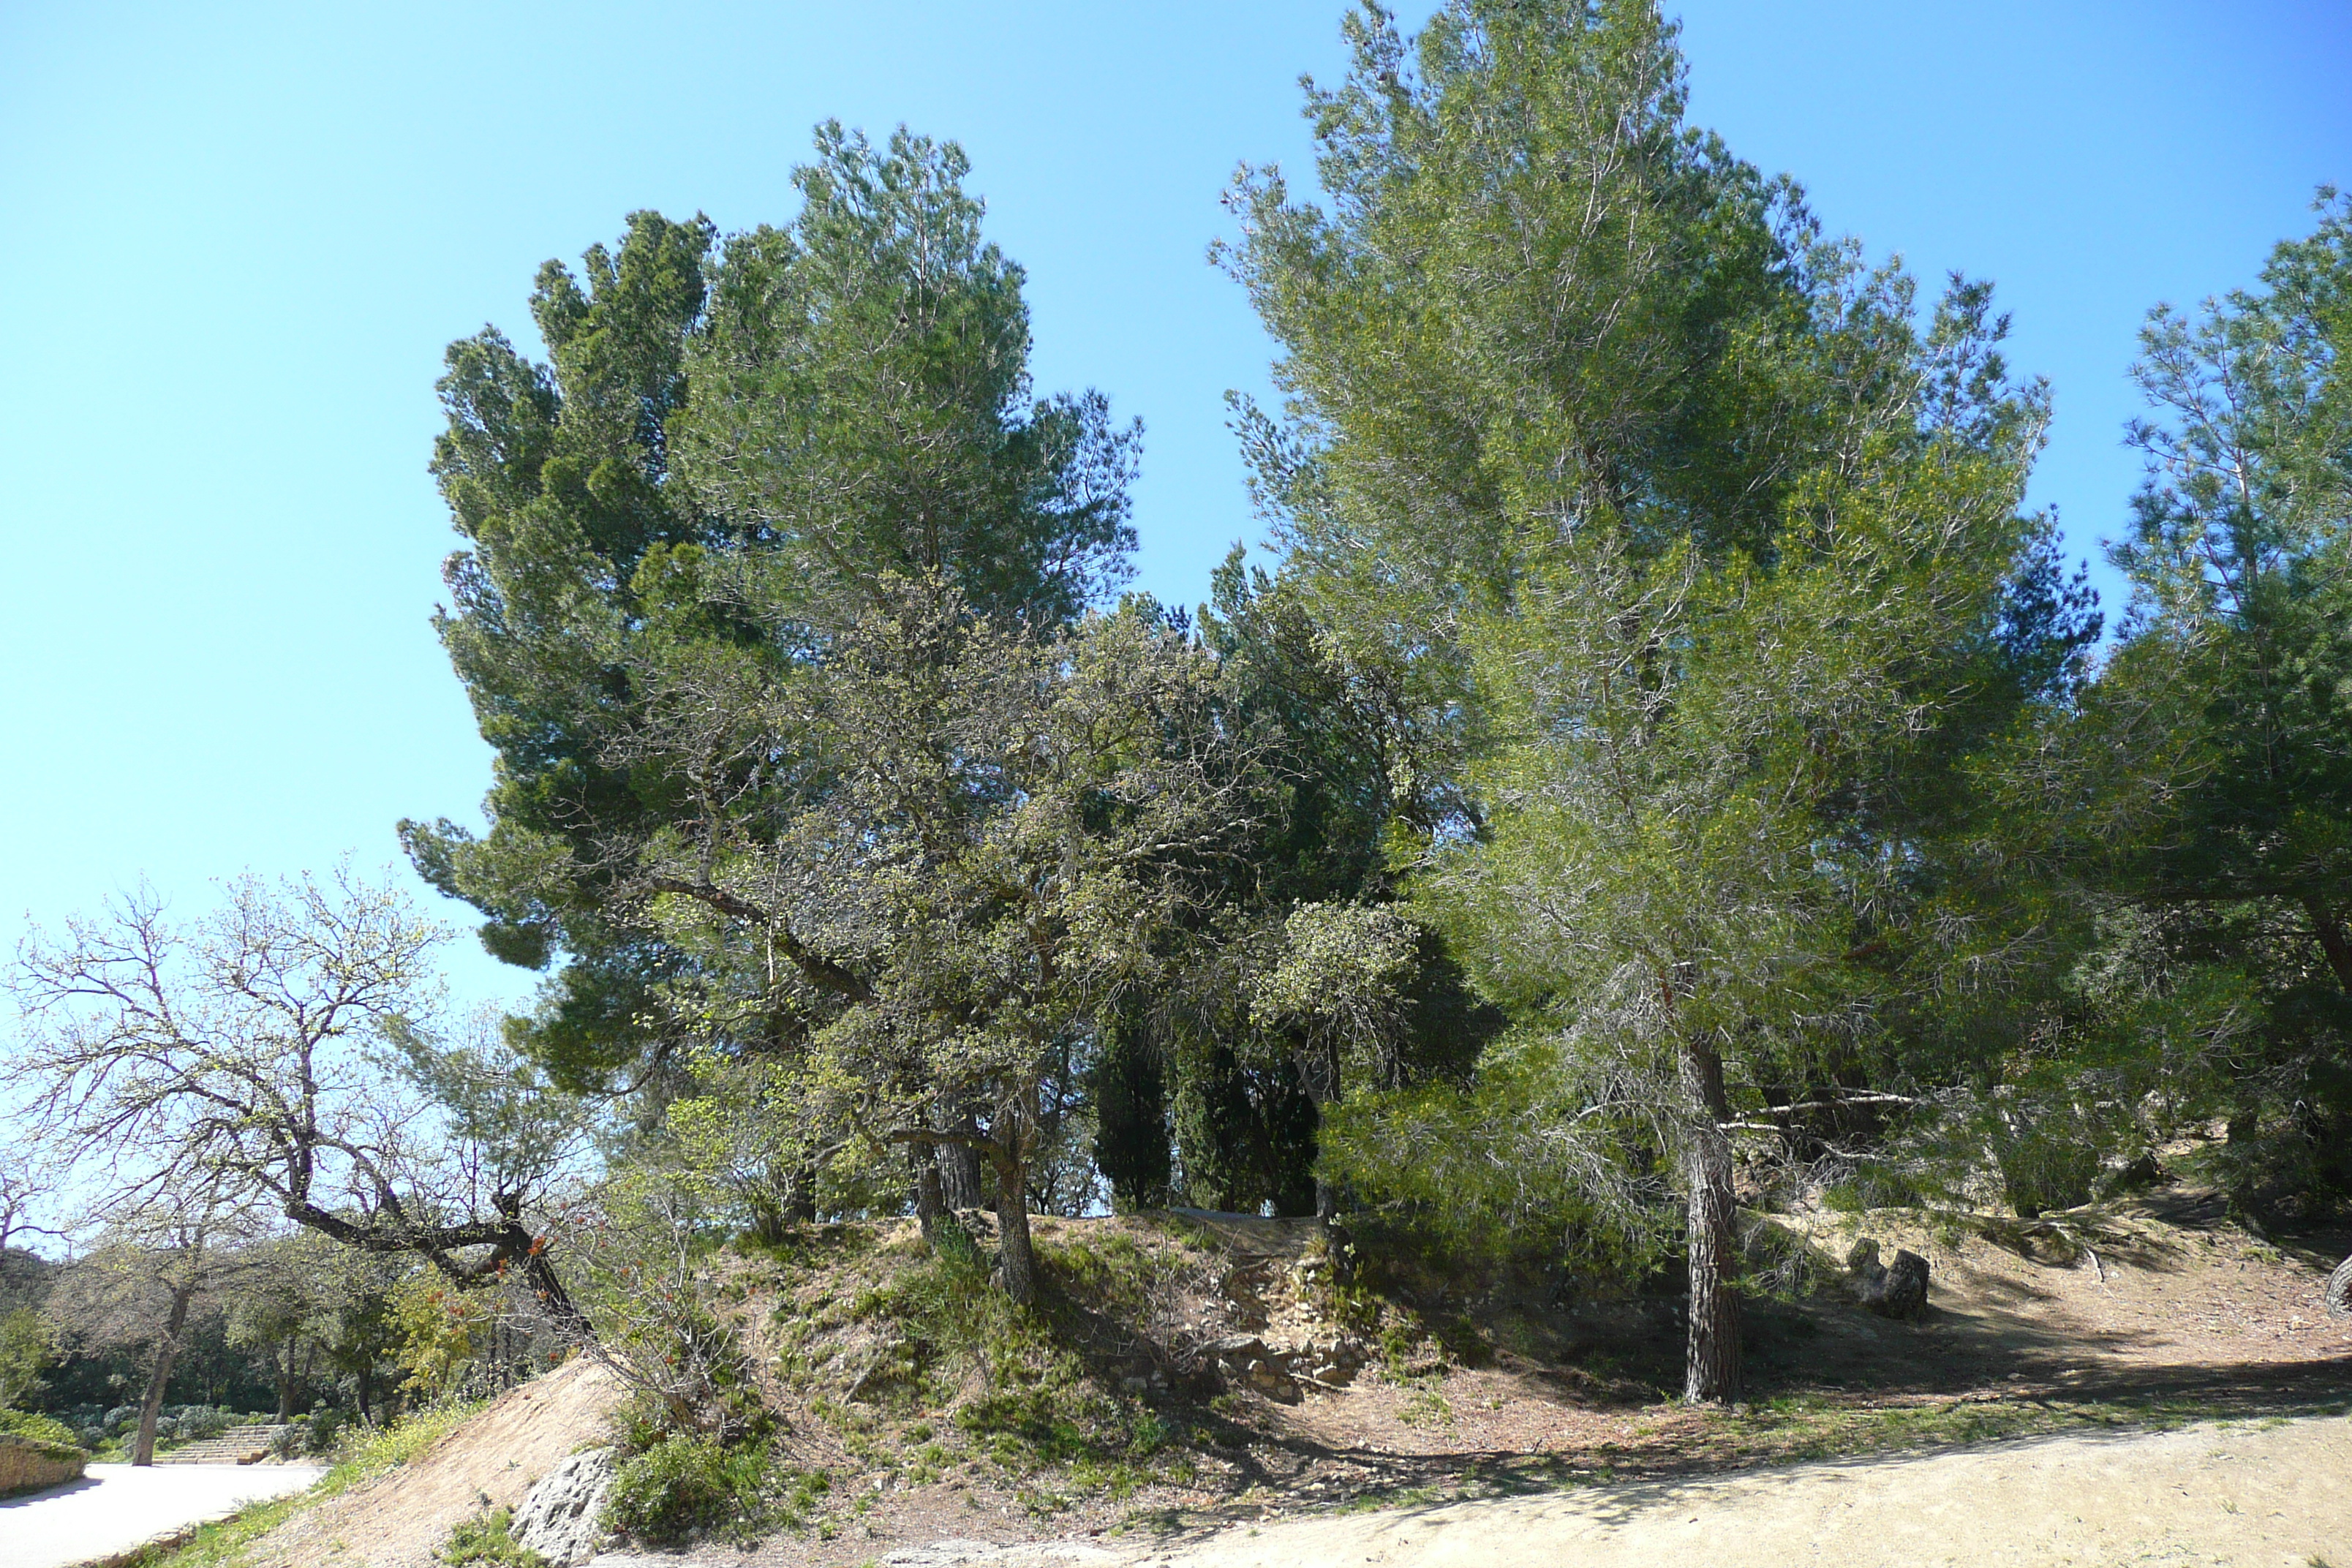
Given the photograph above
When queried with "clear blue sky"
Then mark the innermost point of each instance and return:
(237, 236)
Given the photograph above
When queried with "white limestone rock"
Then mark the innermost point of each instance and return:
(558, 1517)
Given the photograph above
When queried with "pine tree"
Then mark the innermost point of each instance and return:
(1684, 549)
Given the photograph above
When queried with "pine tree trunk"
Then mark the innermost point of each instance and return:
(1014, 1255)
(167, 1350)
(1712, 1359)
(2332, 940)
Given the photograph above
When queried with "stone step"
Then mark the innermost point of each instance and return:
(237, 1445)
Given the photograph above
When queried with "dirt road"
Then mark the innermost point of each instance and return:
(118, 1506)
(2250, 1493)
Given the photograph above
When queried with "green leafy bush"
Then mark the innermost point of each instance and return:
(38, 1429)
(324, 1432)
(2054, 1164)
(488, 1538)
(27, 1344)
(683, 1484)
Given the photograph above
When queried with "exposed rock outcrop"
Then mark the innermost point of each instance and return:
(558, 1517)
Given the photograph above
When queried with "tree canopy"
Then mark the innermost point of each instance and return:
(1661, 772)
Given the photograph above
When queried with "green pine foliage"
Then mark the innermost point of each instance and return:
(730, 449)
(1667, 766)
(1713, 530)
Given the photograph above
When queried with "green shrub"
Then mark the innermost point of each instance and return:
(38, 1428)
(488, 1538)
(2048, 1168)
(325, 1432)
(683, 1484)
(28, 1342)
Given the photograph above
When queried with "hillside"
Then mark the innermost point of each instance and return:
(1195, 1371)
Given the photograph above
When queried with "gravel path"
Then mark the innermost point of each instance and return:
(2250, 1493)
(118, 1506)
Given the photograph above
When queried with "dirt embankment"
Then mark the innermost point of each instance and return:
(2092, 1326)
(400, 1517)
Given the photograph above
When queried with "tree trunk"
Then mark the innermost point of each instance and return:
(548, 1289)
(364, 1418)
(1711, 1364)
(959, 1163)
(931, 1206)
(2332, 940)
(799, 1194)
(167, 1350)
(1014, 1255)
(1318, 1070)
(286, 1384)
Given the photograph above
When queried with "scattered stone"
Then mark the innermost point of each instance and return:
(558, 1517)
(1906, 1295)
(1244, 1358)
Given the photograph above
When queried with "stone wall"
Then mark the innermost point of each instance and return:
(26, 1466)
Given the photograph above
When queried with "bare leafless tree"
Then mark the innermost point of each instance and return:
(282, 1043)
(28, 1194)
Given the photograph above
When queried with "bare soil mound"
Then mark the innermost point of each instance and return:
(400, 1517)
(2157, 1292)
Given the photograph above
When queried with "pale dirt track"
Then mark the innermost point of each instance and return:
(2231, 1494)
(118, 1506)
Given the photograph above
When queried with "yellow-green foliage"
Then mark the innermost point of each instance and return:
(27, 1343)
(439, 1325)
(36, 1428)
